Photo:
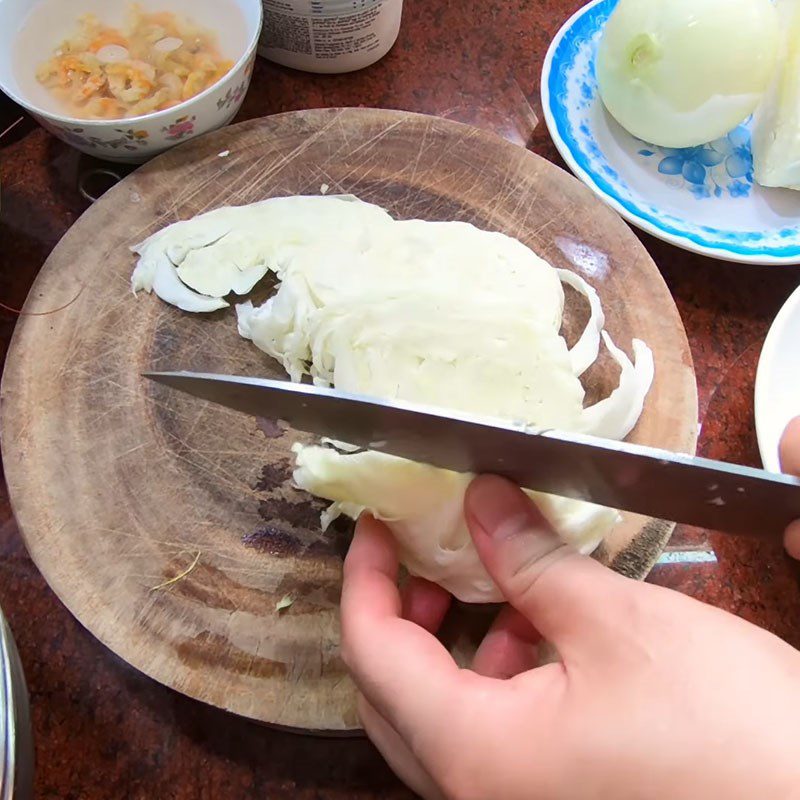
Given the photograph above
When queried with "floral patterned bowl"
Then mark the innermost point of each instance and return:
(700, 198)
(31, 29)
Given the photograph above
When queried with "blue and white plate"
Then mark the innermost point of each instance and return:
(701, 198)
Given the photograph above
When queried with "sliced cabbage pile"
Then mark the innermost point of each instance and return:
(194, 264)
(441, 313)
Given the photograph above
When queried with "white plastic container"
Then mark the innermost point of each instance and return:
(329, 35)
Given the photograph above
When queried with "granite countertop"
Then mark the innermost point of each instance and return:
(104, 731)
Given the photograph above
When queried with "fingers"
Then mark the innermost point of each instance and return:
(790, 448)
(396, 753)
(790, 464)
(425, 603)
(510, 646)
(791, 540)
(563, 594)
(402, 669)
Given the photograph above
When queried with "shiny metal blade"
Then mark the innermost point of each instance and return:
(657, 483)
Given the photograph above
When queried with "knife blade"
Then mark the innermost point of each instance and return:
(630, 477)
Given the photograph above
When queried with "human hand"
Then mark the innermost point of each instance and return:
(657, 696)
(790, 464)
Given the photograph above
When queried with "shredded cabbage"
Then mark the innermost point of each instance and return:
(440, 313)
(423, 506)
(230, 249)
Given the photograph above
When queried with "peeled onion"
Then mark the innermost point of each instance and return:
(680, 73)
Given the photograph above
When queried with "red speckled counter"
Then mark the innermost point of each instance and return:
(104, 731)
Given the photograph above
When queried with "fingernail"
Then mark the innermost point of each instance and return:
(500, 508)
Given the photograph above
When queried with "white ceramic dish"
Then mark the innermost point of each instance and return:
(31, 29)
(778, 381)
(701, 199)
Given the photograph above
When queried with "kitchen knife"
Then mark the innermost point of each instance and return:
(630, 477)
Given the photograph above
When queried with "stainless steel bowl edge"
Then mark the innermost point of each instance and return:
(16, 741)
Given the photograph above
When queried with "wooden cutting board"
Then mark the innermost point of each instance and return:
(119, 485)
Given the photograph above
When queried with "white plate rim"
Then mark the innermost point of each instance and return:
(768, 449)
(684, 242)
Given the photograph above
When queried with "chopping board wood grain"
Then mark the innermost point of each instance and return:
(120, 486)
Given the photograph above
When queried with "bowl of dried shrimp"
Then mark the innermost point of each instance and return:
(124, 81)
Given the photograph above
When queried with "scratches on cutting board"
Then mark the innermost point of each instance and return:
(118, 483)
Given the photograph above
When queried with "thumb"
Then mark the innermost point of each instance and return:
(564, 594)
(790, 464)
